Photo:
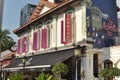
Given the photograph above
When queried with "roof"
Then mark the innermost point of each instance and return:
(9, 55)
(35, 15)
(39, 8)
(5, 53)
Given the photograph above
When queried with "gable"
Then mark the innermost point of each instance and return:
(42, 7)
(45, 8)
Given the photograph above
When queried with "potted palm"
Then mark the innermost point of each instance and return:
(110, 73)
(58, 69)
(44, 76)
(16, 76)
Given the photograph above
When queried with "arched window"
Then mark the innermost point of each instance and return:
(108, 64)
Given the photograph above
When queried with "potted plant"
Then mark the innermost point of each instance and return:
(44, 76)
(58, 69)
(16, 76)
(110, 73)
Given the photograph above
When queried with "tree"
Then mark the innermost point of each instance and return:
(6, 42)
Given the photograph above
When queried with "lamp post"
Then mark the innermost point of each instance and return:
(24, 61)
(77, 53)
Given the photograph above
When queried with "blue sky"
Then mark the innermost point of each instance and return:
(11, 15)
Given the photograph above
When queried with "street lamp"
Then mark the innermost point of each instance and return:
(24, 61)
(77, 53)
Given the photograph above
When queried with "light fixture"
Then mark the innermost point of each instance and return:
(77, 53)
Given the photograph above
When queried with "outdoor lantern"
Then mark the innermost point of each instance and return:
(23, 60)
(77, 53)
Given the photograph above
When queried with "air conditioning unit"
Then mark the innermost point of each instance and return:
(116, 41)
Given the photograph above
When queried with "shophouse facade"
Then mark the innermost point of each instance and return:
(59, 29)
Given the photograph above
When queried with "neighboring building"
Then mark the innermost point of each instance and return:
(6, 56)
(26, 12)
(118, 4)
(1, 11)
(57, 30)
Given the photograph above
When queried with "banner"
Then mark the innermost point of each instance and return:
(101, 18)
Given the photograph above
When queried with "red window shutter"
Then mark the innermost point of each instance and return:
(44, 39)
(35, 40)
(24, 44)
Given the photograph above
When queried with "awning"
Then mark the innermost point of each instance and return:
(41, 61)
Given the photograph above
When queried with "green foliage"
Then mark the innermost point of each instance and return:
(44, 76)
(114, 72)
(5, 40)
(16, 76)
(60, 68)
(109, 73)
(104, 73)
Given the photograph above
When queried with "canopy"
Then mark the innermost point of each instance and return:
(45, 60)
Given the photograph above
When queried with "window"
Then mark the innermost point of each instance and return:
(95, 65)
(108, 64)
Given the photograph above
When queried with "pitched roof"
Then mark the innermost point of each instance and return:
(64, 3)
(40, 6)
(9, 55)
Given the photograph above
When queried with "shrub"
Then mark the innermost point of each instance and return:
(16, 76)
(60, 68)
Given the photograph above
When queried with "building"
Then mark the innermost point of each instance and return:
(1, 11)
(58, 29)
(118, 4)
(26, 12)
(6, 57)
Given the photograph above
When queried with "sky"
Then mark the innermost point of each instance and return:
(11, 14)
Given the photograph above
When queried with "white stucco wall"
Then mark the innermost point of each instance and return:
(80, 13)
(60, 17)
(54, 32)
